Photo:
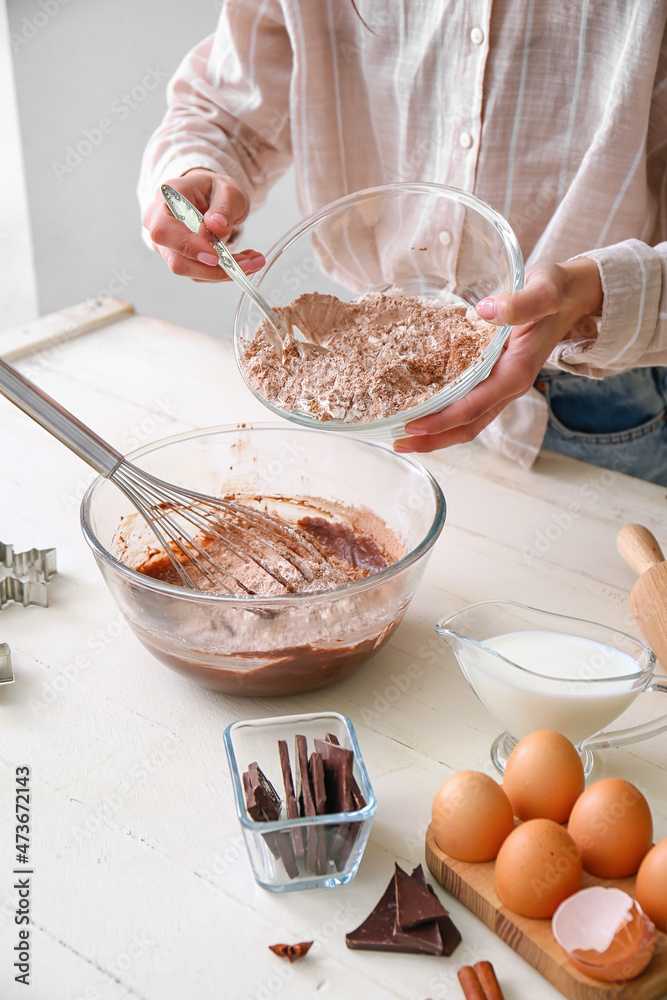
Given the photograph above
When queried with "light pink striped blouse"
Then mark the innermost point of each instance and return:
(553, 112)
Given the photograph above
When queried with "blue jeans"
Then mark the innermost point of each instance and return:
(619, 422)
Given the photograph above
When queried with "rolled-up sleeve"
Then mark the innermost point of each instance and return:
(228, 105)
(632, 329)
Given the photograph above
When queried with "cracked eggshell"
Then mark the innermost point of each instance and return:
(605, 934)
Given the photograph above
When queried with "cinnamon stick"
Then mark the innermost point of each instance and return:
(470, 984)
(488, 982)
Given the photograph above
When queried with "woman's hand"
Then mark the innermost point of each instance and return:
(223, 204)
(554, 298)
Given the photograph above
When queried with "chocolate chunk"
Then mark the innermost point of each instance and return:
(305, 796)
(338, 777)
(291, 951)
(253, 807)
(381, 930)
(376, 933)
(425, 939)
(263, 804)
(317, 783)
(264, 794)
(449, 932)
(358, 800)
(320, 797)
(291, 806)
(280, 846)
(414, 903)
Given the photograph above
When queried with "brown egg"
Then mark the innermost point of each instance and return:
(611, 825)
(537, 867)
(544, 776)
(651, 891)
(471, 816)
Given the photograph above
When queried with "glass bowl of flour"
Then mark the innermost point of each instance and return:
(387, 280)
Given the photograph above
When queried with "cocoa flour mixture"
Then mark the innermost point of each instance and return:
(388, 352)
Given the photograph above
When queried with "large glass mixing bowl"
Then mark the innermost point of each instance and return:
(426, 239)
(272, 645)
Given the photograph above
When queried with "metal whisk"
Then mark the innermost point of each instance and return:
(172, 511)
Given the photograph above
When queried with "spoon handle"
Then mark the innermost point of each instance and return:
(232, 268)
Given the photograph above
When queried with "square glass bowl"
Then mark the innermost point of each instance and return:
(336, 840)
(429, 240)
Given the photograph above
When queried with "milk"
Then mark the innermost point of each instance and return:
(570, 684)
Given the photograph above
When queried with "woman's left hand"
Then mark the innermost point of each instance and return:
(541, 314)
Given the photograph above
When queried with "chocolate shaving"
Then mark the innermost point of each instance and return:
(291, 951)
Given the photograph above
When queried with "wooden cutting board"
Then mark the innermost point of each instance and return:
(472, 884)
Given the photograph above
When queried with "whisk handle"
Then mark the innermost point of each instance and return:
(57, 420)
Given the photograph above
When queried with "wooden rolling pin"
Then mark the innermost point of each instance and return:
(648, 599)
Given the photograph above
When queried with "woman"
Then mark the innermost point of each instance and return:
(556, 117)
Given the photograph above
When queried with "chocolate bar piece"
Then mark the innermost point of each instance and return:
(264, 795)
(306, 800)
(263, 804)
(424, 939)
(381, 930)
(317, 783)
(338, 775)
(319, 795)
(357, 798)
(377, 932)
(449, 932)
(291, 806)
(280, 846)
(414, 903)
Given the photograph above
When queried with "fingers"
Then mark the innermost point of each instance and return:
(455, 435)
(512, 376)
(541, 296)
(191, 254)
(228, 207)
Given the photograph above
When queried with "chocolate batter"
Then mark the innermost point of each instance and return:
(266, 649)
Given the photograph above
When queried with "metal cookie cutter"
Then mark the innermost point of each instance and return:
(29, 573)
(6, 672)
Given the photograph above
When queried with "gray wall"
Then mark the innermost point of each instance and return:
(77, 62)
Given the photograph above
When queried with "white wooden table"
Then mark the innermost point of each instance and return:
(141, 887)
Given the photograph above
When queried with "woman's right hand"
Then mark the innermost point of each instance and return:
(222, 203)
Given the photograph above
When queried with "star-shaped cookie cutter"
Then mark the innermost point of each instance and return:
(29, 574)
